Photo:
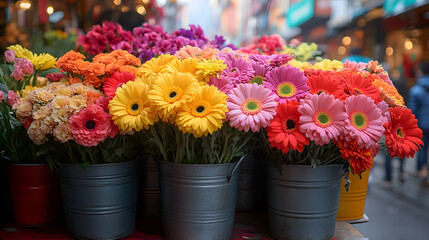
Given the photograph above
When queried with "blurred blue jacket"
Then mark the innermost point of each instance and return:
(418, 101)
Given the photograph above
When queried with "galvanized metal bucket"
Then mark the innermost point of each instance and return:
(303, 201)
(198, 200)
(251, 185)
(149, 194)
(100, 201)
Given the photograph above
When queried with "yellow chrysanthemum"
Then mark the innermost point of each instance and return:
(43, 61)
(172, 91)
(301, 65)
(21, 52)
(188, 65)
(208, 68)
(327, 64)
(40, 62)
(130, 108)
(389, 93)
(155, 66)
(204, 114)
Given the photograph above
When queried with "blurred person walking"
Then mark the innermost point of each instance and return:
(419, 104)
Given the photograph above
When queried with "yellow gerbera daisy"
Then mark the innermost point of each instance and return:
(172, 91)
(188, 65)
(204, 114)
(130, 108)
(155, 66)
(327, 64)
(208, 68)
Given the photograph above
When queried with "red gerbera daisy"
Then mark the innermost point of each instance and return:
(327, 82)
(115, 81)
(283, 132)
(356, 84)
(91, 126)
(360, 159)
(403, 136)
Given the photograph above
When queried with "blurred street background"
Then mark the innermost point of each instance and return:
(399, 210)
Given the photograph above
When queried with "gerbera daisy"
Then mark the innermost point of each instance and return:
(403, 136)
(171, 91)
(356, 84)
(354, 66)
(221, 83)
(188, 65)
(300, 65)
(250, 107)
(204, 114)
(327, 64)
(389, 93)
(323, 117)
(271, 61)
(155, 66)
(196, 52)
(238, 70)
(360, 159)
(260, 73)
(364, 123)
(115, 81)
(327, 82)
(384, 108)
(209, 68)
(287, 83)
(283, 132)
(131, 108)
(90, 126)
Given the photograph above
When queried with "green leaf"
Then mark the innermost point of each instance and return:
(86, 164)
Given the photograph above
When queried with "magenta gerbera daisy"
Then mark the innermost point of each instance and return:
(364, 123)
(322, 117)
(91, 126)
(238, 70)
(251, 106)
(287, 83)
(115, 81)
(221, 83)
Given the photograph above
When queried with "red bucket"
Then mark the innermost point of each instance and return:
(35, 194)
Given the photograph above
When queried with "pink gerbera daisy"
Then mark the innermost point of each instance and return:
(238, 70)
(287, 83)
(384, 107)
(91, 126)
(251, 106)
(115, 81)
(323, 117)
(364, 123)
(221, 83)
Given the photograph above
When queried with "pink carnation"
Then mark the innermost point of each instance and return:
(23, 68)
(9, 56)
(12, 97)
(1, 95)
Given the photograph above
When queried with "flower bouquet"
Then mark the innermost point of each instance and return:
(33, 187)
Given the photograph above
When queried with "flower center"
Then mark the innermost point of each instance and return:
(359, 120)
(400, 132)
(257, 79)
(173, 94)
(322, 119)
(251, 106)
(286, 90)
(90, 124)
(290, 125)
(201, 109)
(135, 107)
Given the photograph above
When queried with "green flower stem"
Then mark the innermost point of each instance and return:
(158, 142)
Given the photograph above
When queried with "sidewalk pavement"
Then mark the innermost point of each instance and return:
(411, 188)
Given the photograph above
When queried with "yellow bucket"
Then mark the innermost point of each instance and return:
(352, 203)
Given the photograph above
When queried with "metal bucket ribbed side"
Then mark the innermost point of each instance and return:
(251, 185)
(303, 201)
(100, 201)
(150, 195)
(198, 202)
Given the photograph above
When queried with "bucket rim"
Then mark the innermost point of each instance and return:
(27, 164)
(100, 164)
(196, 164)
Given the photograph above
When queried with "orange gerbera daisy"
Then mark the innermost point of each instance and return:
(360, 159)
(327, 82)
(388, 93)
(283, 132)
(403, 136)
(356, 84)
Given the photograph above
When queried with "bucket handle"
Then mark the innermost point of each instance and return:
(228, 178)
